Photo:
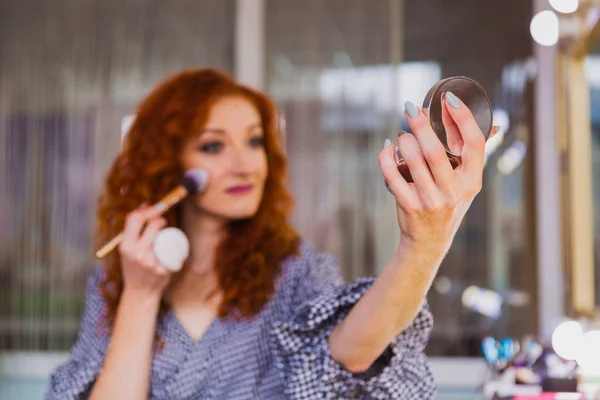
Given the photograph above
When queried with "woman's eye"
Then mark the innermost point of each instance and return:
(212, 147)
(258, 141)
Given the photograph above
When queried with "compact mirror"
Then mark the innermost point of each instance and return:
(472, 95)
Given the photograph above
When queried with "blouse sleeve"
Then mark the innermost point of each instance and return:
(75, 378)
(302, 349)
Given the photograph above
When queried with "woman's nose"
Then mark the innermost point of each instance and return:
(242, 162)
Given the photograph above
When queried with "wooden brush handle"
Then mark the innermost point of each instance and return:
(172, 198)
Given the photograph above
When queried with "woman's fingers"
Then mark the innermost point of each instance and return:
(149, 261)
(474, 142)
(453, 136)
(418, 166)
(151, 231)
(396, 183)
(151, 264)
(438, 170)
(389, 168)
(136, 219)
(134, 225)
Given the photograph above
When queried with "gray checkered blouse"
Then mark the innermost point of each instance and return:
(282, 353)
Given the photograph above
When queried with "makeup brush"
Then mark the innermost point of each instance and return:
(194, 181)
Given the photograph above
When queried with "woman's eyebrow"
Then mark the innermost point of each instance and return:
(212, 130)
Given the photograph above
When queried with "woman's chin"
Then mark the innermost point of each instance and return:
(242, 215)
(237, 214)
(228, 211)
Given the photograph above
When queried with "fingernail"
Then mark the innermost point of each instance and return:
(411, 109)
(160, 206)
(452, 100)
(497, 129)
(387, 143)
(401, 133)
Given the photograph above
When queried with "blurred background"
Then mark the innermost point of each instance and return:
(526, 257)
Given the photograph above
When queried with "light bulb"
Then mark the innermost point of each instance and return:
(566, 340)
(484, 301)
(544, 28)
(565, 6)
(511, 158)
(589, 353)
(443, 284)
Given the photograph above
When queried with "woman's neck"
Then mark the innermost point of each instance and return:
(197, 281)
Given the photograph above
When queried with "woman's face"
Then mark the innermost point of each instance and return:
(230, 147)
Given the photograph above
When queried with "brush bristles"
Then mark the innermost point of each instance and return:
(195, 180)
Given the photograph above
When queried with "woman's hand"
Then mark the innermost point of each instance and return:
(127, 366)
(431, 209)
(142, 273)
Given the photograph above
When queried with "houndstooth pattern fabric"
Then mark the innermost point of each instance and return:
(281, 354)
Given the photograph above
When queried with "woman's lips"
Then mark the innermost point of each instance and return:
(240, 190)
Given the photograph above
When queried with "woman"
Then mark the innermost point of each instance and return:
(256, 313)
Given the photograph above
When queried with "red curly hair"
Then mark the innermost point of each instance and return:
(249, 258)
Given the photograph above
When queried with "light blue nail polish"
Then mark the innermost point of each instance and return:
(411, 109)
(387, 143)
(160, 206)
(452, 100)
